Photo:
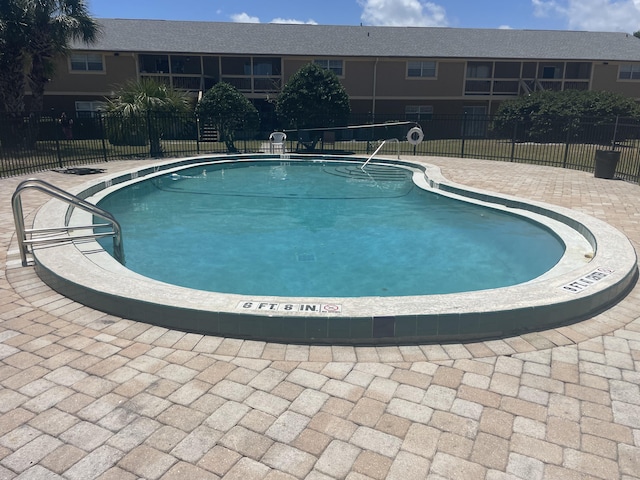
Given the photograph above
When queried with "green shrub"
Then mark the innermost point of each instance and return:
(551, 116)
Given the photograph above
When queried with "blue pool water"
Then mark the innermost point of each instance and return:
(321, 229)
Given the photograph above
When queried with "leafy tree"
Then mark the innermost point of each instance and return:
(14, 16)
(32, 34)
(313, 97)
(54, 25)
(228, 110)
(549, 115)
(143, 110)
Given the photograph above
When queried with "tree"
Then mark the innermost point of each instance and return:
(14, 16)
(313, 97)
(32, 34)
(54, 24)
(550, 116)
(13, 66)
(228, 110)
(142, 110)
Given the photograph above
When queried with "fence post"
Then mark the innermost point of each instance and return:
(464, 129)
(198, 135)
(58, 152)
(514, 138)
(102, 135)
(567, 143)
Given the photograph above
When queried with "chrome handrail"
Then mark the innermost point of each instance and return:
(77, 202)
(379, 148)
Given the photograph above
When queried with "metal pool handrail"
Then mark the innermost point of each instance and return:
(58, 193)
(378, 149)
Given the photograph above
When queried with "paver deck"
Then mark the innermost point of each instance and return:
(88, 395)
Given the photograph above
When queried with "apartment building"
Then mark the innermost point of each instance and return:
(407, 72)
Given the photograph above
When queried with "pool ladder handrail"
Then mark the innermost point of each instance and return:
(77, 202)
(379, 148)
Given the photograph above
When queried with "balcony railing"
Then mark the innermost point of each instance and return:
(241, 83)
(187, 83)
(521, 86)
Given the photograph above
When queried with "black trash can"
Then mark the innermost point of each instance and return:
(606, 163)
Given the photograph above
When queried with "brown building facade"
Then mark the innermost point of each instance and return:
(408, 73)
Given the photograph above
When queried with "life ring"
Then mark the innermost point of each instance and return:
(415, 136)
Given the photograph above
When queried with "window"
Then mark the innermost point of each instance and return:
(418, 112)
(507, 70)
(553, 71)
(88, 109)
(421, 69)
(154, 63)
(236, 65)
(578, 70)
(529, 69)
(182, 64)
(629, 72)
(479, 70)
(334, 65)
(86, 62)
(266, 66)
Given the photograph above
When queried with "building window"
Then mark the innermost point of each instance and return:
(86, 62)
(267, 66)
(154, 63)
(183, 64)
(334, 65)
(236, 66)
(578, 71)
(88, 109)
(421, 69)
(629, 71)
(418, 112)
(479, 70)
(506, 70)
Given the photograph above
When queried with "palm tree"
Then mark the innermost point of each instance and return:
(13, 55)
(13, 65)
(140, 110)
(32, 34)
(54, 25)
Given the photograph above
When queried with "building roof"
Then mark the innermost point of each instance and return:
(169, 36)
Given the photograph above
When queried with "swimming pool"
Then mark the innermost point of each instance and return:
(321, 228)
(597, 268)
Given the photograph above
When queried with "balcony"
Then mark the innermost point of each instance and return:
(187, 83)
(515, 87)
(243, 84)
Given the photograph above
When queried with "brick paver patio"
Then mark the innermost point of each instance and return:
(87, 395)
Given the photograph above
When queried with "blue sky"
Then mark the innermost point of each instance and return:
(593, 15)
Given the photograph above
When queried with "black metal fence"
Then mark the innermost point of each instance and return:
(37, 143)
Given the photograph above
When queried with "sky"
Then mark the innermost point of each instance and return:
(591, 15)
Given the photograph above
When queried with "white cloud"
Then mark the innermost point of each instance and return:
(403, 13)
(593, 15)
(244, 18)
(505, 27)
(293, 21)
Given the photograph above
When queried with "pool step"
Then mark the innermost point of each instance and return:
(375, 172)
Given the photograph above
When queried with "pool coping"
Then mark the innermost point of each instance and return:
(85, 273)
